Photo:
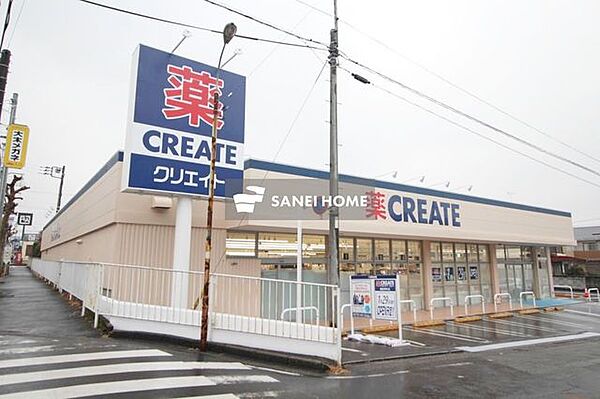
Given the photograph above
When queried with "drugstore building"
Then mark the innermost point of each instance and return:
(441, 244)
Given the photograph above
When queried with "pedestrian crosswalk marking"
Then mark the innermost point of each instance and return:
(113, 387)
(80, 357)
(116, 368)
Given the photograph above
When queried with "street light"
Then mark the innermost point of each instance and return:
(228, 34)
(57, 172)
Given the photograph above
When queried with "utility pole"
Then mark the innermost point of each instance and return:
(228, 33)
(60, 188)
(333, 276)
(3, 178)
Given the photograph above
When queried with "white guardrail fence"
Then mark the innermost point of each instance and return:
(279, 315)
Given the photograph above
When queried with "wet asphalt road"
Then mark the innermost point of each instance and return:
(35, 323)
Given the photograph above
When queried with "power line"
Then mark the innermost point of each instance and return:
(186, 25)
(472, 131)
(16, 23)
(470, 117)
(240, 13)
(421, 94)
(452, 84)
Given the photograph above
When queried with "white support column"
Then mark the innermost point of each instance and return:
(181, 252)
(299, 314)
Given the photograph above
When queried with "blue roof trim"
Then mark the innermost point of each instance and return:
(319, 174)
(117, 157)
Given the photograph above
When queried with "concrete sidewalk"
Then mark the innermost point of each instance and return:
(28, 307)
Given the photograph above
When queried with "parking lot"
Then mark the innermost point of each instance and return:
(575, 321)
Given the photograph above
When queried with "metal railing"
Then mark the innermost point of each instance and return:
(258, 305)
(300, 312)
(412, 307)
(596, 291)
(524, 293)
(499, 296)
(443, 300)
(468, 297)
(564, 286)
(344, 307)
(242, 304)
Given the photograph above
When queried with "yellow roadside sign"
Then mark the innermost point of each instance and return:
(15, 151)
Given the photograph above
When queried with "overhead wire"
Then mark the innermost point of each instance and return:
(432, 99)
(270, 25)
(470, 117)
(452, 84)
(286, 137)
(466, 128)
(201, 28)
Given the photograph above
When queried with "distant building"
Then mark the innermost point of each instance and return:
(581, 261)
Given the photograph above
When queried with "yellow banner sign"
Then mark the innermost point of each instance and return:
(15, 151)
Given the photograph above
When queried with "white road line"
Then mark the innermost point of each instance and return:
(113, 387)
(351, 350)
(451, 336)
(354, 377)
(115, 369)
(80, 357)
(453, 365)
(528, 342)
(491, 330)
(223, 396)
(241, 379)
(31, 349)
(277, 371)
(581, 312)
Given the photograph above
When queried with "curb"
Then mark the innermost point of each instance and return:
(429, 323)
(466, 319)
(501, 315)
(529, 311)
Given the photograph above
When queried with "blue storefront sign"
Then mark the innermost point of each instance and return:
(168, 144)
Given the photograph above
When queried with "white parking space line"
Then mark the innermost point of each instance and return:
(490, 330)
(113, 387)
(553, 321)
(515, 344)
(351, 350)
(80, 357)
(444, 334)
(582, 312)
(523, 325)
(115, 369)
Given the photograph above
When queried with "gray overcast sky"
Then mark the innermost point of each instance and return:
(538, 60)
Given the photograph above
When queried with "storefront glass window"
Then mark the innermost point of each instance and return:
(346, 249)
(364, 250)
(483, 253)
(460, 251)
(447, 252)
(276, 245)
(398, 250)
(382, 250)
(313, 246)
(414, 250)
(240, 244)
(500, 253)
(436, 252)
(472, 253)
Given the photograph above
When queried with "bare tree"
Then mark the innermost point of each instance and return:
(10, 204)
